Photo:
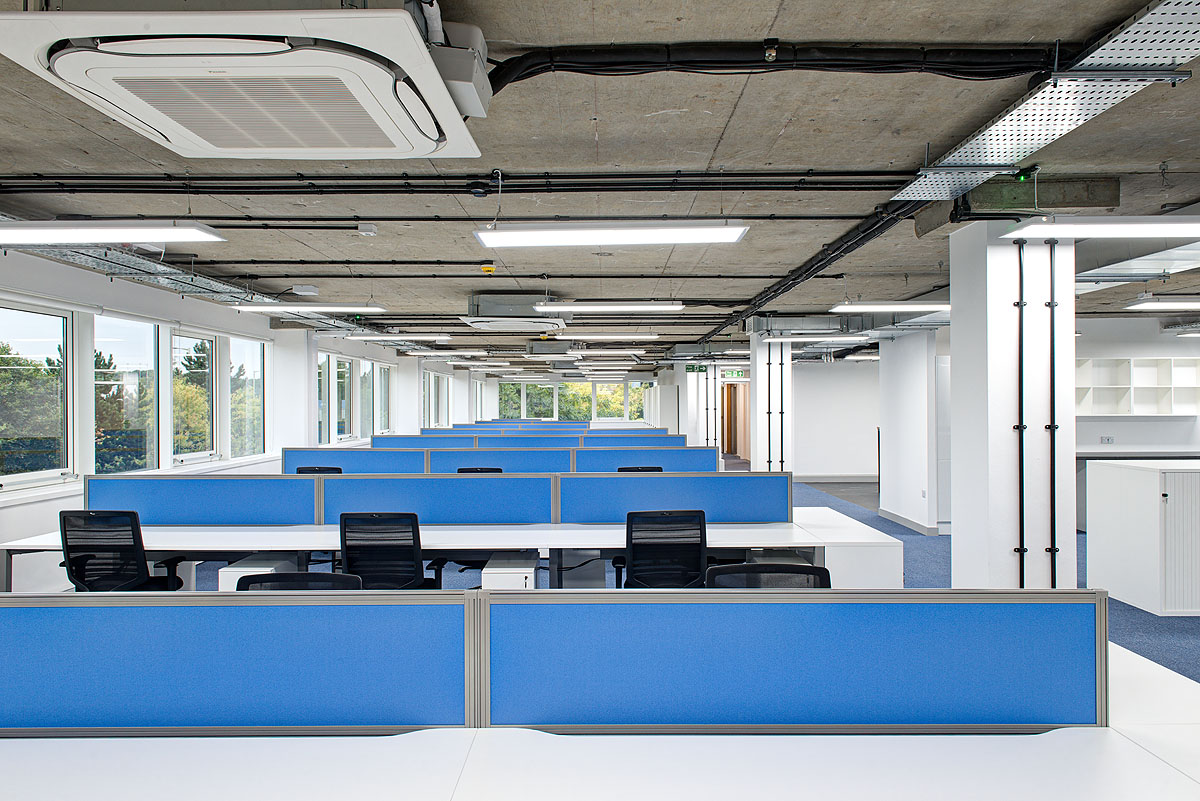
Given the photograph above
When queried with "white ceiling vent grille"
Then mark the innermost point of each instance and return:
(350, 84)
(286, 112)
(1142, 52)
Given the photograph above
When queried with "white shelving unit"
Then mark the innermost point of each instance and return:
(1137, 387)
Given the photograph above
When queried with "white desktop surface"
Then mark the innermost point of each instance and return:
(834, 528)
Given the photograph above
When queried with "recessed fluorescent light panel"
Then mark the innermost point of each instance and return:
(816, 338)
(609, 352)
(460, 363)
(608, 337)
(885, 307)
(406, 337)
(95, 232)
(316, 308)
(653, 306)
(862, 357)
(1165, 303)
(1161, 227)
(603, 234)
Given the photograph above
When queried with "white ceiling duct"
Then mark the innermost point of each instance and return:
(353, 84)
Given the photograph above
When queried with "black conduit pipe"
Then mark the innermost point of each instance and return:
(771, 55)
(1052, 428)
(1020, 550)
(768, 371)
(781, 443)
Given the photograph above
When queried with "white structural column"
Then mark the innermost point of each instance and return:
(908, 431)
(985, 361)
(771, 406)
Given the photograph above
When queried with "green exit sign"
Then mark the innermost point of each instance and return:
(734, 374)
(696, 368)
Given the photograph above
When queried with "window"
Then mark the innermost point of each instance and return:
(383, 396)
(33, 392)
(125, 382)
(366, 398)
(323, 399)
(436, 392)
(610, 400)
(539, 400)
(344, 388)
(247, 397)
(192, 395)
(477, 393)
(510, 401)
(637, 399)
(575, 401)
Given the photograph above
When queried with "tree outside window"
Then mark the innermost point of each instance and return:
(575, 401)
(125, 382)
(33, 392)
(510, 401)
(192, 394)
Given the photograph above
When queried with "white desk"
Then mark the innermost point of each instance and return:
(519, 764)
(814, 528)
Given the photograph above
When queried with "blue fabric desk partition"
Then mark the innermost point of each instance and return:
(632, 440)
(465, 500)
(724, 497)
(768, 660)
(207, 500)
(671, 460)
(355, 460)
(510, 460)
(420, 442)
(186, 663)
(531, 441)
(610, 432)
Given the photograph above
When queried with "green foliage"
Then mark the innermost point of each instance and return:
(539, 400)
(126, 419)
(32, 413)
(246, 401)
(510, 401)
(637, 401)
(575, 401)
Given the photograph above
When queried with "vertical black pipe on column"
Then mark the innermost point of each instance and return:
(707, 425)
(781, 402)
(768, 396)
(1052, 428)
(1020, 550)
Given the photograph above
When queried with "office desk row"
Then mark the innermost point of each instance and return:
(510, 460)
(482, 439)
(1099, 764)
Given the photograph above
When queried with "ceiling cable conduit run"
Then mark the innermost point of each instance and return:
(475, 184)
(970, 63)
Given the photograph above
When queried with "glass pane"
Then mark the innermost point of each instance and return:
(323, 399)
(610, 400)
(247, 397)
(33, 392)
(575, 401)
(442, 382)
(539, 400)
(366, 398)
(637, 400)
(192, 394)
(126, 390)
(510, 401)
(385, 399)
(478, 387)
(344, 416)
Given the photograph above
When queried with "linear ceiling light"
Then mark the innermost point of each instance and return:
(816, 338)
(1150, 302)
(862, 357)
(1161, 227)
(609, 352)
(653, 306)
(552, 357)
(89, 232)
(684, 232)
(884, 306)
(460, 363)
(607, 337)
(737, 352)
(316, 308)
(447, 354)
(406, 337)
(606, 364)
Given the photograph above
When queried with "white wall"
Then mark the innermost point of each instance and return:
(835, 419)
(460, 397)
(908, 431)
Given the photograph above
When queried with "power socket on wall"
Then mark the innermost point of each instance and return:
(1108, 440)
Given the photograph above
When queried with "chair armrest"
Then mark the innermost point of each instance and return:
(618, 561)
(437, 564)
(170, 562)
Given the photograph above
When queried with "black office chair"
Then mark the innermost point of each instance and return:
(481, 470)
(767, 575)
(313, 470)
(664, 550)
(384, 550)
(299, 581)
(103, 552)
(640, 468)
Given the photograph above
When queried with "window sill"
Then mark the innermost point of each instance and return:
(354, 442)
(38, 494)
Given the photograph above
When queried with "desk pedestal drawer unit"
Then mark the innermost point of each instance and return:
(511, 571)
(1143, 536)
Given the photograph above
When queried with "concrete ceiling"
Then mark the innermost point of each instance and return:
(662, 122)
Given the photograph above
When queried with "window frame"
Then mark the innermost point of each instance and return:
(227, 370)
(383, 398)
(215, 379)
(159, 391)
(351, 399)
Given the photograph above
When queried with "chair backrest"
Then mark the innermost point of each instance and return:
(665, 549)
(299, 581)
(103, 550)
(640, 468)
(767, 575)
(481, 470)
(383, 549)
(316, 469)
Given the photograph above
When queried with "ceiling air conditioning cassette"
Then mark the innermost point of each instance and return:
(357, 84)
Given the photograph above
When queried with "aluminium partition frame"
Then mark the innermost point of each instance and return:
(476, 617)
